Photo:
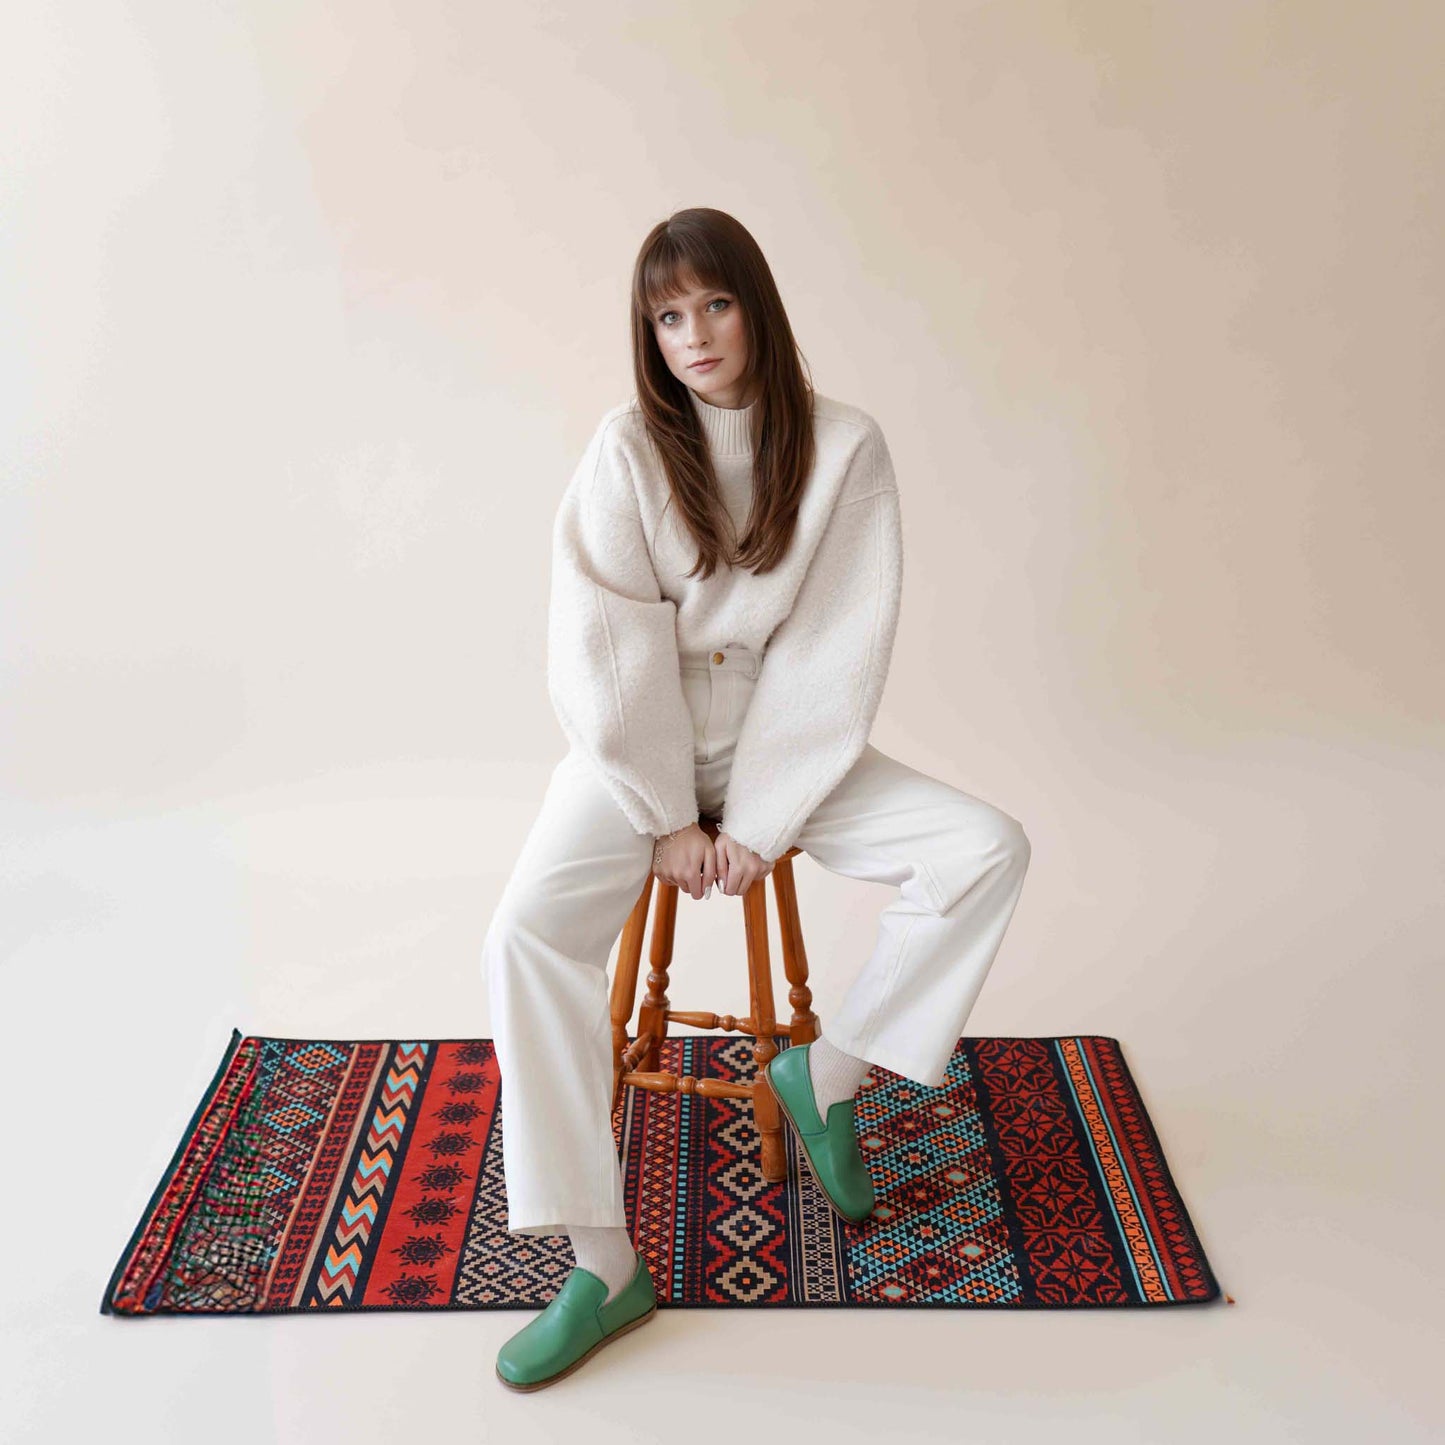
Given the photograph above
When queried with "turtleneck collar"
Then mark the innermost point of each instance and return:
(728, 430)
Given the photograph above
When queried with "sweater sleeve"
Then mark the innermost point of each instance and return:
(823, 669)
(612, 665)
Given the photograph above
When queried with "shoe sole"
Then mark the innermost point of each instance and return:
(817, 1178)
(581, 1359)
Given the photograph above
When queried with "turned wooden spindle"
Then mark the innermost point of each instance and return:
(804, 1026)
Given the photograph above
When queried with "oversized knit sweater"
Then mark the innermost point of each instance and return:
(621, 610)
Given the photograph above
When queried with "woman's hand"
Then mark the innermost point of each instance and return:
(738, 867)
(685, 858)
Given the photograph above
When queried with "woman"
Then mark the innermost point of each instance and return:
(726, 575)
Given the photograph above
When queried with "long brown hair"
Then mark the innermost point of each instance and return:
(707, 248)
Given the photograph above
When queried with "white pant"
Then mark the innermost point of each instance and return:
(958, 862)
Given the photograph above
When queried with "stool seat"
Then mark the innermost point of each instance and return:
(636, 1062)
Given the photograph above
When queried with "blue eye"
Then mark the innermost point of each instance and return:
(716, 299)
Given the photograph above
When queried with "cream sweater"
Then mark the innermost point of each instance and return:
(621, 610)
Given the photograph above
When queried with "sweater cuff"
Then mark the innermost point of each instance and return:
(671, 823)
(765, 846)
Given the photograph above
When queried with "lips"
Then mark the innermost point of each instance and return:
(706, 361)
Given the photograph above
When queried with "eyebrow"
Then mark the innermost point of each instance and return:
(710, 295)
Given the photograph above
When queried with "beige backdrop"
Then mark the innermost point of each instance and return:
(308, 313)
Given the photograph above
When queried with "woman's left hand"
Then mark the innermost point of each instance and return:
(738, 867)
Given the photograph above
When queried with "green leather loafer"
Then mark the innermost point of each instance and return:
(573, 1327)
(831, 1146)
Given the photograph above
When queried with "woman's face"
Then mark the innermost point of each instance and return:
(704, 324)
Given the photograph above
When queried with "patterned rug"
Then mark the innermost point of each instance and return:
(367, 1175)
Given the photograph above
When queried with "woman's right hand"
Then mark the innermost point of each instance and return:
(685, 858)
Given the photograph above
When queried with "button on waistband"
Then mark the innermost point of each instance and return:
(735, 658)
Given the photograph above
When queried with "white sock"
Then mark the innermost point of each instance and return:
(835, 1075)
(607, 1252)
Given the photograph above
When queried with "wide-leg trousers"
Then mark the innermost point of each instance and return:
(958, 864)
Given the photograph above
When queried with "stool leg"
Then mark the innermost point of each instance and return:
(624, 982)
(804, 1027)
(652, 1020)
(774, 1162)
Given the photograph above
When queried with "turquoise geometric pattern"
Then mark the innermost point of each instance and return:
(937, 1230)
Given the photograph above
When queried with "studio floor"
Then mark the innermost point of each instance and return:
(1271, 999)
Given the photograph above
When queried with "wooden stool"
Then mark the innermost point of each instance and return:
(636, 1063)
